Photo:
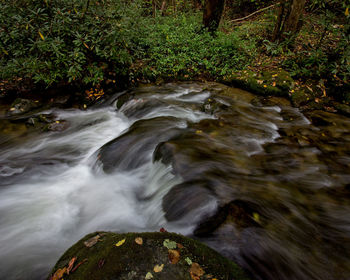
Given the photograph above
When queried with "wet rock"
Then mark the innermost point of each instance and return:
(58, 125)
(130, 260)
(138, 143)
(240, 213)
(182, 198)
(22, 106)
(137, 108)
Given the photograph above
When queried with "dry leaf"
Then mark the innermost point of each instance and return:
(41, 36)
(101, 263)
(120, 243)
(139, 240)
(70, 265)
(92, 241)
(196, 271)
(79, 264)
(158, 268)
(174, 256)
(180, 246)
(59, 274)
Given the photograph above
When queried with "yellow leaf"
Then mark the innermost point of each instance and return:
(174, 256)
(256, 217)
(199, 131)
(139, 240)
(158, 268)
(59, 274)
(347, 11)
(274, 84)
(41, 36)
(86, 46)
(5, 51)
(196, 271)
(149, 276)
(120, 243)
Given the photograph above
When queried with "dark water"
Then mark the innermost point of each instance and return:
(257, 180)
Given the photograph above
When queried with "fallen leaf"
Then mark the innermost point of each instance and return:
(139, 240)
(101, 262)
(120, 243)
(92, 241)
(180, 246)
(59, 274)
(274, 84)
(41, 36)
(259, 81)
(79, 264)
(256, 217)
(196, 271)
(162, 230)
(174, 256)
(158, 268)
(188, 260)
(70, 265)
(169, 244)
(199, 131)
(149, 276)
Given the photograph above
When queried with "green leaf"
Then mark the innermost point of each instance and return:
(169, 244)
(188, 260)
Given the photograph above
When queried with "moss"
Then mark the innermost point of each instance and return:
(277, 83)
(132, 261)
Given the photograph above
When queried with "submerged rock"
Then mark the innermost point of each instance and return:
(21, 106)
(159, 255)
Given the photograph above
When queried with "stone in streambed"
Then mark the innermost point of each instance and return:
(22, 106)
(105, 260)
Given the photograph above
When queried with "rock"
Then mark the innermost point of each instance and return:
(139, 141)
(57, 126)
(130, 260)
(22, 106)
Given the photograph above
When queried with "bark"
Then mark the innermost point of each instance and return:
(212, 14)
(289, 20)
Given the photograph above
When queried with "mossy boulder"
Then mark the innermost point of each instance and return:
(277, 83)
(159, 255)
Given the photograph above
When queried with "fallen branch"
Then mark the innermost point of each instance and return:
(256, 12)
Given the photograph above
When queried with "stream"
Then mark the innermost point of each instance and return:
(254, 178)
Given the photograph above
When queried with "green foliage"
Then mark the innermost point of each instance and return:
(50, 41)
(53, 41)
(176, 47)
(328, 56)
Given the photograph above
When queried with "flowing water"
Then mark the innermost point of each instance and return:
(254, 178)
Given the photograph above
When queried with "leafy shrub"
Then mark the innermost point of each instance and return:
(53, 40)
(176, 46)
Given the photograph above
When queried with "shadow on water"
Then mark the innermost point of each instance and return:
(254, 178)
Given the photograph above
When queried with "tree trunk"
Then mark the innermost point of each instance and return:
(212, 14)
(289, 20)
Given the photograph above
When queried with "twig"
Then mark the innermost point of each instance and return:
(256, 12)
